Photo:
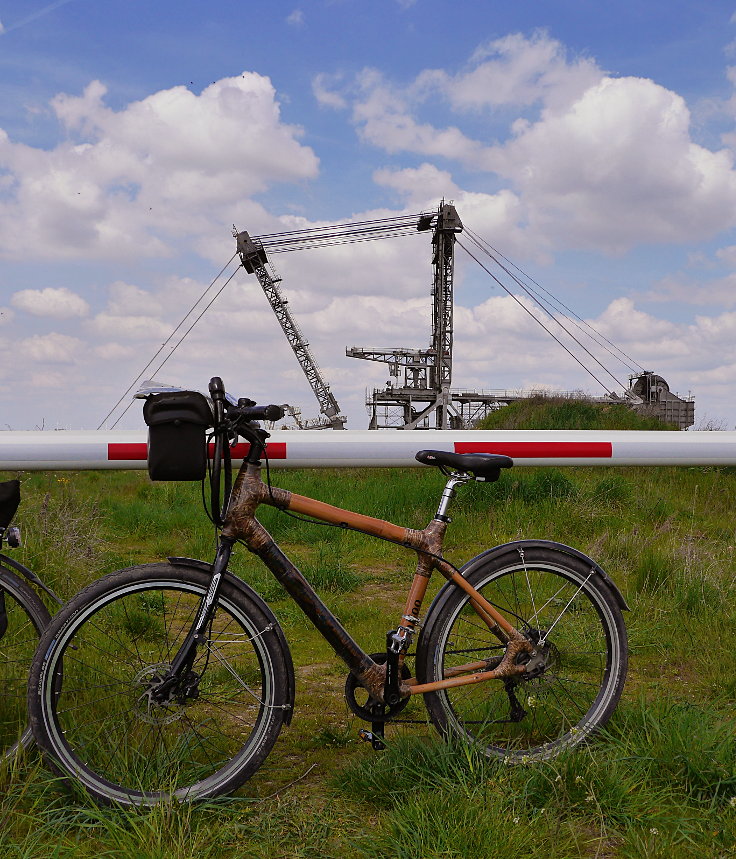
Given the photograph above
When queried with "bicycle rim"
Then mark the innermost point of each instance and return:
(101, 726)
(25, 616)
(575, 617)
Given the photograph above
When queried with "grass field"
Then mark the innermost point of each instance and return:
(660, 782)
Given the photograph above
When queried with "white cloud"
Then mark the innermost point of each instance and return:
(59, 303)
(619, 168)
(419, 184)
(128, 299)
(48, 381)
(515, 71)
(498, 346)
(53, 348)
(111, 325)
(382, 114)
(323, 88)
(596, 162)
(714, 292)
(117, 352)
(296, 18)
(130, 181)
(569, 158)
(727, 255)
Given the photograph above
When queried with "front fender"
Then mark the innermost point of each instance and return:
(237, 582)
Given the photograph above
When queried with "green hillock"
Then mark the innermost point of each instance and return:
(538, 413)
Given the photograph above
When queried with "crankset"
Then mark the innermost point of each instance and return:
(371, 710)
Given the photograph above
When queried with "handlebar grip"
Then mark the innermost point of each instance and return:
(217, 389)
(262, 413)
(217, 392)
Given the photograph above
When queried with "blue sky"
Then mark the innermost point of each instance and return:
(592, 144)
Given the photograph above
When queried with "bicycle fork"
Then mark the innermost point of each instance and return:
(179, 681)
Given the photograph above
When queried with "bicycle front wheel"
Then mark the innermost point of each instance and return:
(89, 696)
(576, 623)
(22, 619)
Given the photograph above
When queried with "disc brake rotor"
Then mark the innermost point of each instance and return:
(146, 708)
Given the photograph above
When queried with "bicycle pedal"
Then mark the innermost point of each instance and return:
(375, 739)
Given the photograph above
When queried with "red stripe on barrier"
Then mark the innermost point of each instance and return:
(540, 449)
(274, 449)
(138, 451)
(127, 450)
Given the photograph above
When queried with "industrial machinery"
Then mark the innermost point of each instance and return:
(422, 399)
(652, 394)
(255, 261)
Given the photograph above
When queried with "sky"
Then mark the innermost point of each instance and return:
(591, 144)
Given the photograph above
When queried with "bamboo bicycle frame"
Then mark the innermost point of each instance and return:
(240, 523)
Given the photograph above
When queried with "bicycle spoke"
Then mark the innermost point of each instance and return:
(574, 686)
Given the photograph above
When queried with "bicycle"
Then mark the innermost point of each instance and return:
(173, 680)
(23, 617)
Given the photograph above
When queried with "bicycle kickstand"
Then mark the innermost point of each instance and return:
(375, 735)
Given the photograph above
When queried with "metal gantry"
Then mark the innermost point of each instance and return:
(423, 398)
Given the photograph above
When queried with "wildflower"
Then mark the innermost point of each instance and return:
(531, 702)
(732, 802)
(590, 797)
(654, 831)
(516, 820)
(578, 779)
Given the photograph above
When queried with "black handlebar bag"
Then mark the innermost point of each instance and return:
(177, 428)
(9, 502)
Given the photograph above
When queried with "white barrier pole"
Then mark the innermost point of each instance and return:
(92, 449)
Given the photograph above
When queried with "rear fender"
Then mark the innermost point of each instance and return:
(479, 560)
(31, 576)
(238, 583)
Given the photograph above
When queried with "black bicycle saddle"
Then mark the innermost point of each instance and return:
(483, 466)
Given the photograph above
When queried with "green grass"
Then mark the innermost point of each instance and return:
(567, 413)
(661, 782)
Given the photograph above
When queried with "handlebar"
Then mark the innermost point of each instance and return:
(246, 409)
(258, 413)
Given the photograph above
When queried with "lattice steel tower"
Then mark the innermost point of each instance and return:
(423, 398)
(255, 261)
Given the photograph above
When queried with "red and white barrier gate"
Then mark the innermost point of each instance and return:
(92, 449)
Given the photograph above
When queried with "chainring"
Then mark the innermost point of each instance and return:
(369, 711)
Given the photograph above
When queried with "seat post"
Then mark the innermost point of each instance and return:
(448, 493)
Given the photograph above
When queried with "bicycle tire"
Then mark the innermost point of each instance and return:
(87, 694)
(547, 594)
(26, 618)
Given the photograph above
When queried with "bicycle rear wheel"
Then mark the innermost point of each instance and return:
(565, 607)
(22, 619)
(93, 716)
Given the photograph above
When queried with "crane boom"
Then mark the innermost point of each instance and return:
(255, 261)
